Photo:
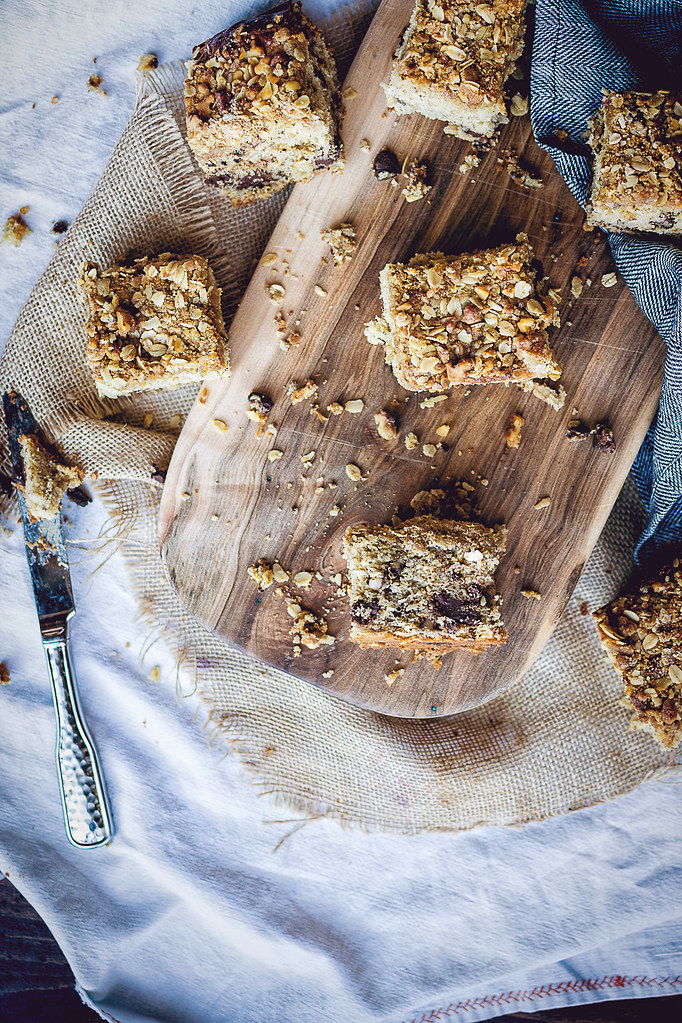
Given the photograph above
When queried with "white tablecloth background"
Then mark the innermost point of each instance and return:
(194, 912)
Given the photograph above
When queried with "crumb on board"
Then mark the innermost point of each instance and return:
(16, 229)
(531, 594)
(95, 83)
(342, 242)
(544, 502)
(577, 430)
(603, 439)
(386, 425)
(416, 186)
(261, 573)
(308, 629)
(298, 394)
(518, 174)
(391, 676)
(554, 397)
(512, 435)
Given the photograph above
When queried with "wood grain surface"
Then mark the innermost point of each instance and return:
(225, 505)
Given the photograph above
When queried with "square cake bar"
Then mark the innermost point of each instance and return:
(155, 322)
(454, 61)
(46, 480)
(263, 105)
(426, 585)
(642, 634)
(475, 318)
(636, 138)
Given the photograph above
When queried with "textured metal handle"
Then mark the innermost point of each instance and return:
(86, 814)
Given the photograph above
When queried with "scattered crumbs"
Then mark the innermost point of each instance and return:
(353, 472)
(148, 62)
(4, 674)
(411, 441)
(303, 580)
(386, 165)
(577, 430)
(298, 394)
(349, 93)
(415, 181)
(308, 457)
(544, 502)
(531, 594)
(175, 421)
(588, 280)
(268, 259)
(429, 450)
(576, 287)
(94, 84)
(342, 242)
(608, 280)
(261, 573)
(280, 322)
(519, 105)
(328, 673)
(442, 431)
(603, 439)
(386, 425)
(308, 629)
(215, 517)
(155, 674)
(319, 290)
(274, 454)
(391, 676)
(60, 226)
(364, 145)
(335, 409)
(554, 397)
(433, 400)
(334, 511)
(185, 495)
(517, 569)
(280, 574)
(55, 99)
(512, 435)
(519, 175)
(355, 406)
(220, 425)
(291, 341)
(16, 229)
(276, 292)
(584, 609)
(469, 163)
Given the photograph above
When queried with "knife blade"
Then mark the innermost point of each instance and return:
(84, 802)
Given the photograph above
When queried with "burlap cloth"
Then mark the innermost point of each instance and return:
(559, 740)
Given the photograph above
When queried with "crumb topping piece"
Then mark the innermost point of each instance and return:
(636, 138)
(154, 322)
(342, 242)
(16, 229)
(425, 585)
(263, 105)
(454, 61)
(642, 634)
(474, 318)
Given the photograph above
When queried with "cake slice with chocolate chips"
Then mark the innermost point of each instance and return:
(426, 585)
(263, 105)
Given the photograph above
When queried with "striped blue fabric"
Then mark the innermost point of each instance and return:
(580, 48)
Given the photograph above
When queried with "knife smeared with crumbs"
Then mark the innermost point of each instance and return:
(86, 813)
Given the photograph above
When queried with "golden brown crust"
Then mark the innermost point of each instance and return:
(263, 106)
(475, 318)
(637, 177)
(642, 634)
(454, 60)
(155, 321)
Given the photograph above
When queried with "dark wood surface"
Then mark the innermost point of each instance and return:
(225, 505)
(37, 985)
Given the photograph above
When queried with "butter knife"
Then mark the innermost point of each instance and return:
(86, 812)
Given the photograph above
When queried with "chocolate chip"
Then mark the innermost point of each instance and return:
(462, 612)
(386, 165)
(222, 101)
(260, 403)
(79, 496)
(158, 475)
(60, 226)
(364, 611)
(577, 430)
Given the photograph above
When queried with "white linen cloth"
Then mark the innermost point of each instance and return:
(196, 912)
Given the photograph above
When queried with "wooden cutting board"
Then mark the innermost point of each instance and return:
(225, 505)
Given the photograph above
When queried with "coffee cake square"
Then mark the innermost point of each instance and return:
(155, 321)
(453, 63)
(474, 318)
(263, 105)
(636, 138)
(426, 585)
(642, 634)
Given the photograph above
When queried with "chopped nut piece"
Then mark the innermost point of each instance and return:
(334, 511)
(353, 472)
(303, 580)
(276, 292)
(306, 390)
(608, 280)
(293, 339)
(429, 450)
(349, 93)
(335, 409)
(603, 439)
(342, 242)
(433, 399)
(280, 574)
(512, 434)
(443, 431)
(261, 573)
(274, 454)
(268, 259)
(386, 165)
(531, 594)
(519, 105)
(544, 502)
(364, 145)
(354, 406)
(155, 674)
(16, 229)
(555, 398)
(220, 425)
(319, 290)
(148, 62)
(411, 441)
(386, 425)
(576, 287)
(470, 162)
(391, 676)
(416, 186)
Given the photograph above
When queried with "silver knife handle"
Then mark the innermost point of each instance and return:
(86, 814)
